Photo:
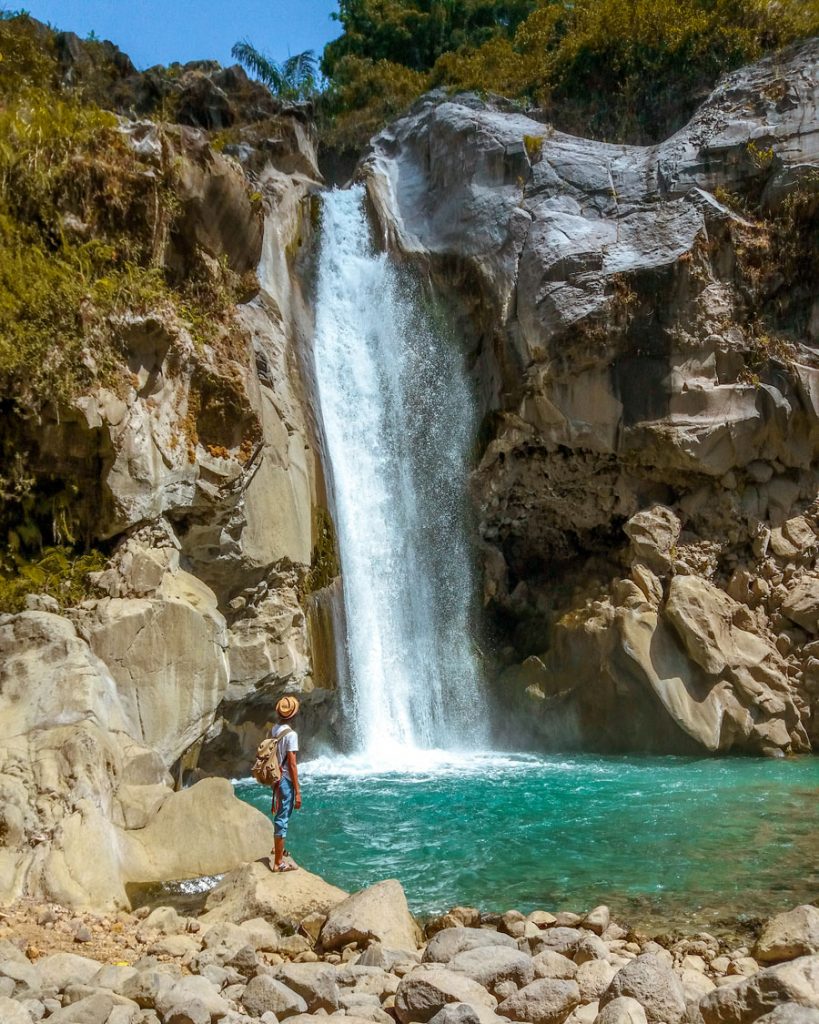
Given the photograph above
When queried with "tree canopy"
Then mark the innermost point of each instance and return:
(622, 70)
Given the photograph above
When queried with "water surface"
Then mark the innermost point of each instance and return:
(662, 840)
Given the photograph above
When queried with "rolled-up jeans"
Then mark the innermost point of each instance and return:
(285, 796)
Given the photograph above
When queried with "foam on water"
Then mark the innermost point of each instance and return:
(398, 419)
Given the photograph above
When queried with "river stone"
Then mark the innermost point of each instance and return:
(545, 1001)
(489, 965)
(23, 976)
(377, 914)
(194, 1012)
(560, 939)
(622, 1010)
(193, 988)
(147, 988)
(584, 1014)
(654, 985)
(550, 964)
(264, 994)
(796, 981)
(315, 983)
(423, 992)
(62, 969)
(789, 935)
(790, 1013)
(448, 943)
(95, 1009)
(590, 947)
(593, 978)
(455, 1013)
(11, 1012)
(598, 919)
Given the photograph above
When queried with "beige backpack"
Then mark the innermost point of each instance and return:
(266, 768)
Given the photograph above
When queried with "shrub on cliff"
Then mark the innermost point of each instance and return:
(623, 70)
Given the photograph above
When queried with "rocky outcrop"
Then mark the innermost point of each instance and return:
(644, 346)
(194, 463)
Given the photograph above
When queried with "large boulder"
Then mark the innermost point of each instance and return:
(794, 982)
(789, 935)
(377, 914)
(422, 993)
(155, 854)
(285, 899)
(545, 1001)
(446, 944)
(489, 965)
(654, 985)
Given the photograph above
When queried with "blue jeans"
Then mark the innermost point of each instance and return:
(285, 797)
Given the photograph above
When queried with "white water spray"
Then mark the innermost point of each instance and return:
(398, 419)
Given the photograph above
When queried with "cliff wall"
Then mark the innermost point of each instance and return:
(644, 328)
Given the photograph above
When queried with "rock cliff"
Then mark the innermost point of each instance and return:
(193, 464)
(644, 334)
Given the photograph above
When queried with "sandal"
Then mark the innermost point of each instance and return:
(285, 867)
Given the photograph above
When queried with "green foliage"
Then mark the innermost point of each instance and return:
(75, 245)
(628, 70)
(363, 95)
(415, 33)
(27, 56)
(57, 571)
(294, 79)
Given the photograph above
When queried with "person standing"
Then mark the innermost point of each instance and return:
(287, 794)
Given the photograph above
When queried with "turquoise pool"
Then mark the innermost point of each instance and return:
(663, 840)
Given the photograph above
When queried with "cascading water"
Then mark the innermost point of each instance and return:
(398, 419)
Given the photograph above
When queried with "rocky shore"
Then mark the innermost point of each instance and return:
(270, 948)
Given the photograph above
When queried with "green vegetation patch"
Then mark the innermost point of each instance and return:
(57, 572)
(622, 70)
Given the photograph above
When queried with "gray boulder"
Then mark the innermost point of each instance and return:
(424, 992)
(58, 971)
(377, 914)
(489, 965)
(94, 1009)
(448, 943)
(622, 1010)
(789, 935)
(264, 994)
(549, 964)
(456, 1013)
(560, 940)
(790, 1013)
(545, 1001)
(655, 986)
(315, 983)
(11, 1012)
(796, 981)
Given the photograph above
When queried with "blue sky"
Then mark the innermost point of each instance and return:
(161, 31)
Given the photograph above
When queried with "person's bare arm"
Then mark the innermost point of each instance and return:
(294, 775)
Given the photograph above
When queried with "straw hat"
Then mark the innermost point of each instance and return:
(287, 707)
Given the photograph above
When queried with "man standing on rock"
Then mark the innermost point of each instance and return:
(287, 794)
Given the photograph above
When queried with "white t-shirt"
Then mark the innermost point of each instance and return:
(290, 742)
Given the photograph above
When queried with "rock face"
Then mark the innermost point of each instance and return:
(644, 346)
(197, 468)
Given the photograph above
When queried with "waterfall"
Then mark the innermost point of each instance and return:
(398, 418)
